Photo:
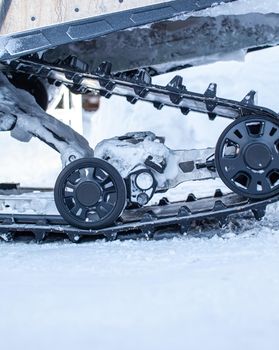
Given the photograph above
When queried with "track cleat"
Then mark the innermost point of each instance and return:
(250, 98)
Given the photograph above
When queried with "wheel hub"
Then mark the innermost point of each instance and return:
(88, 193)
(257, 156)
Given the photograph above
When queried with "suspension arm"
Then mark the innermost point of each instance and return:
(24, 118)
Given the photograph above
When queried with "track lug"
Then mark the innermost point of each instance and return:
(78, 89)
(45, 71)
(191, 198)
(111, 236)
(184, 211)
(77, 64)
(104, 69)
(164, 201)
(212, 116)
(73, 237)
(219, 205)
(107, 84)
(78, 79)
(158, 105)
(223, 221)
(175, 98)
(8, 221)
(218, 193)
(184, 224)
(184, 227)
(141, 91)
(185, 110)
(148, 229)
(105, 94)
(7, 237)
(259, 213)
(176, 84)
(39, 235)
(211, 91)
(132, 99)
(142, 77)
(250, 98)
(15, 65)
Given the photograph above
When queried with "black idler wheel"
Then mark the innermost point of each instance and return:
(90, 193)
(247, 157)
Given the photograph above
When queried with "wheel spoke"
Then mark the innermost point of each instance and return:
(100, 175)
(79, 212)
(83, 174)
(76, 209)
(110, 197)
(93, 216)
(104, 208)
(106, 181)
(235, 139)
(252, 187)
(266, 185)
(272, 137)
(109, 190)
(259, 184)
(70, 185)
(83, 213)
(68, 194)
(271, 130)
(101, 212)
(239, 134)
(90, 173)
(73, 178)
(69, 202)
(87, 174)
(232, 166)
(108, 206)
(275, 154)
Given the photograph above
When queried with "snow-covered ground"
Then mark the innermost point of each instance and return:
(218, 293)
(183, 293)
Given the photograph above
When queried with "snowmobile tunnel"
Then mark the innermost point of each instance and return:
(30, 26)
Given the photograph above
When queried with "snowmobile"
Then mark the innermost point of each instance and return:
(114, 48)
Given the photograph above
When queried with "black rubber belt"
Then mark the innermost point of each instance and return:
(147, 224)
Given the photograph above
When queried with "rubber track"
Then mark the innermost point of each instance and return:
(74, 74)
(142, 222)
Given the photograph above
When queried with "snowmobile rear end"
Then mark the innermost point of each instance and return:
(114, 48)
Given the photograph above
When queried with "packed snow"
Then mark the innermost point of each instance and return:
(180, 293)
(241, 7)
(171, 294)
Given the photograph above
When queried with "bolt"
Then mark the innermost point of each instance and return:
(142, 198)
(72, 158)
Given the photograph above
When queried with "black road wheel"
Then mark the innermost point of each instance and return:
(90, 193)
(247, 157)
